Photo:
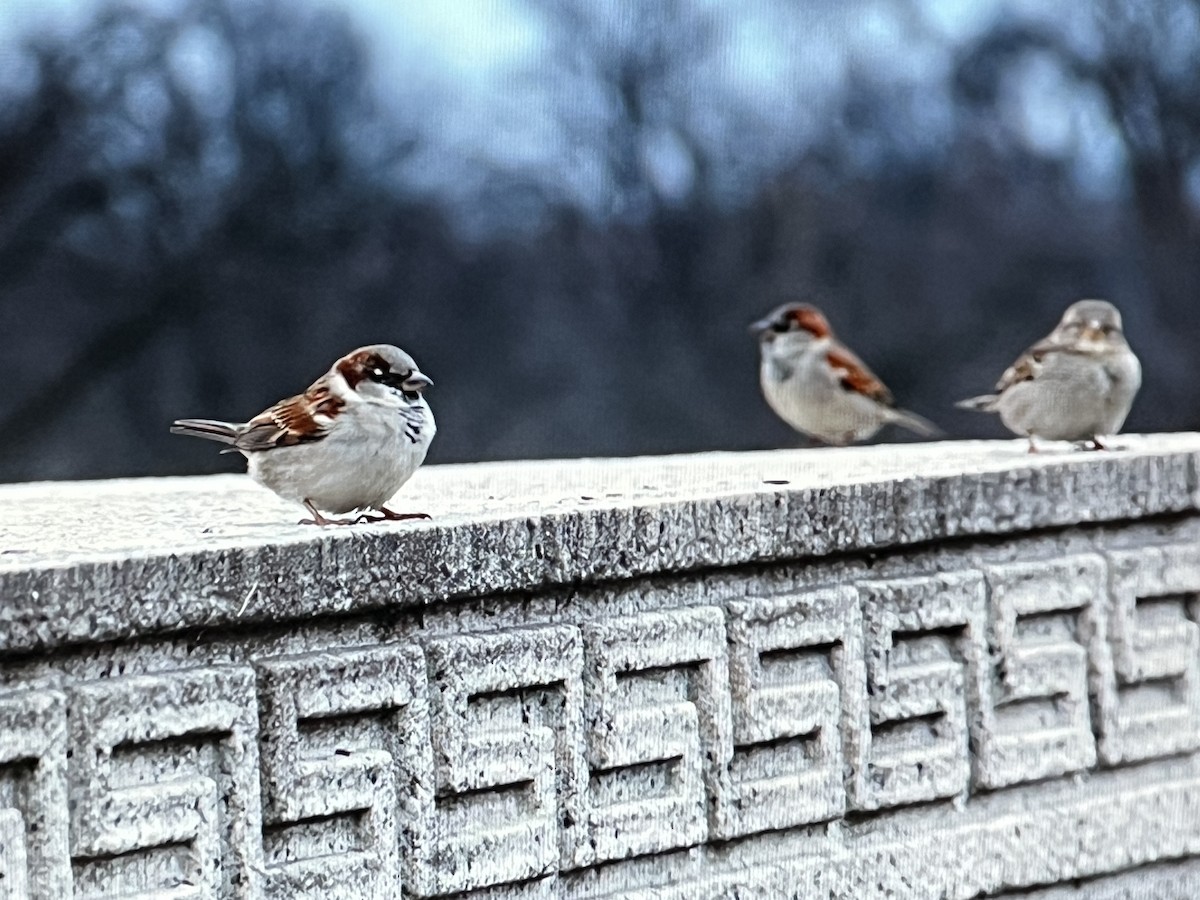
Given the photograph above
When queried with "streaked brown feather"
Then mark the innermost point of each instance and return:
(855, 376)
(1027, 365)
(292, 421)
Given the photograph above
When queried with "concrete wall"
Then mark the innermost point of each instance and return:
(944, 670)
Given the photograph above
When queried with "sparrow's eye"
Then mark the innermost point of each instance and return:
(377, 372)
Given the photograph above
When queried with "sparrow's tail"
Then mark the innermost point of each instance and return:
(209, 429)
(983, 403)
(914, 423)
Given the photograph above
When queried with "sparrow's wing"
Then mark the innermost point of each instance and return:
(854, 375)
(1028, 364)
(305, 417)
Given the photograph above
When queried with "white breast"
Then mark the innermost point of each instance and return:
(804, 391)
(361, 464)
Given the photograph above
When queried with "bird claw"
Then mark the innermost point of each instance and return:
(386, 515)
(318, 519)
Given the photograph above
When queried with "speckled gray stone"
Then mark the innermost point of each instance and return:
(97, 561)
(943, 671)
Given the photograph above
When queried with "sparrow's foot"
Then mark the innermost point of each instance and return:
(1033, 447)
(386, 515)
(319, 519)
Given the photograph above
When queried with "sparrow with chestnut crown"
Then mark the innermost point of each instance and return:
(348, 443)
(817, 385)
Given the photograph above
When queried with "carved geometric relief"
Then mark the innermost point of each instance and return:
(34, 858)
(660, 740)
(795, 674)
(1037, 722)
(15, 878)
(923, 648)
(506, 721)
(344, 741)
(1148, 669)
(164, 785)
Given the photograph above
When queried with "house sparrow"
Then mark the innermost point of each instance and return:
(1076, 384)
(818, 386)
(347, 443)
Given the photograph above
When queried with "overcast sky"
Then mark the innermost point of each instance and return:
(494, 95)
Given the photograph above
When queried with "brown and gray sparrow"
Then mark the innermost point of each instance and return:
(818, 386)
(1076, 384)
(347, 443)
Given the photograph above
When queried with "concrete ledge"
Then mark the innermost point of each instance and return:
(938, 671)
(106, 560)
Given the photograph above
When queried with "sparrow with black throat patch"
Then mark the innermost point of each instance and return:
(347, 444)
(817, 385)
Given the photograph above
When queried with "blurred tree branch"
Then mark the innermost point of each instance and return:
(116, 169)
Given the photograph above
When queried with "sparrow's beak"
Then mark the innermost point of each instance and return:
(416, 382)
(1093, 331)
(761, 327)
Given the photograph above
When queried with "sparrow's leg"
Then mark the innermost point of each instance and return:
(1033, 447)
(386, 515)
(318, 519)
(1097, 444)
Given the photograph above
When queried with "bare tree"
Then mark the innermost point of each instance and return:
(157, 153)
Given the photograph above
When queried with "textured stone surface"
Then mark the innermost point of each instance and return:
(884, 679)
(1165, 881)
(164, 783)
(345, 749)
(33, 787)
(84, 562)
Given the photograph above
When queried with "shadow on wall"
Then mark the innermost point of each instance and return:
(204, 203)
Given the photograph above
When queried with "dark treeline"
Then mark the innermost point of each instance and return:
(200, 209)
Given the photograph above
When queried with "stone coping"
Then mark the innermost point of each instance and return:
(92, 561)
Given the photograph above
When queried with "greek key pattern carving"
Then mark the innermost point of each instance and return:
(1148, 671)
(345, 763)
(1036, 723)
(33, 795)
(499, 760)
(795, 676)
(508, 757)
(924, 673)
(659, 743)
(164, 784)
